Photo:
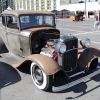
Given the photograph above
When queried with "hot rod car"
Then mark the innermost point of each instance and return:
(76, 17)
(31, 37)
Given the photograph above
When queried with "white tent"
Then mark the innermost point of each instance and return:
(9, 8)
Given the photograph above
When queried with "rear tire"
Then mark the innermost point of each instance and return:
(40, 79)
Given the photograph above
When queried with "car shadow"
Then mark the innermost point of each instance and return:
(8, 75)
(25, 68)
(82, 87)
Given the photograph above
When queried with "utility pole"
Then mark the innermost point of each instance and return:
(85, 9)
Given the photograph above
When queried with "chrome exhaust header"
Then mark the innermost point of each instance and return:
(66, 86)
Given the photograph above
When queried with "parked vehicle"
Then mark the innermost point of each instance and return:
(31, 37)
(76, 17)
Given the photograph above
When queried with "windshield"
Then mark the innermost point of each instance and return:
(36, 20)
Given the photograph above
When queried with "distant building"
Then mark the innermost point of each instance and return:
(3, 5)
(11, 4)
(35, 4)
(90, 0)
(65, 2)
(90, 6)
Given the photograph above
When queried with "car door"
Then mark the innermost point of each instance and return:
(12, 31)
(3, 33)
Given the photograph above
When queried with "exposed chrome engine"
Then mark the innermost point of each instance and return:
(63, 51)
(41, 38)
(62, 48)
(49, 49)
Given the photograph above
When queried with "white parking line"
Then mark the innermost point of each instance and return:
(81, 32)
(93, 32)
(92, 42)
(79, 26)
(86, 24)
(70, 30)
(96, 33)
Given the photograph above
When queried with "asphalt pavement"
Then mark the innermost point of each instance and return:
(17, 85)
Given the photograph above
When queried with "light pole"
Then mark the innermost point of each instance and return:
(85, 9)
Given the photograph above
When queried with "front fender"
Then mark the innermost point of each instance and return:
(86, 56)
(46, 64)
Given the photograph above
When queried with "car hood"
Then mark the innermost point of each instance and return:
(27, 32)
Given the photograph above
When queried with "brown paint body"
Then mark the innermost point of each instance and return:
(47, 64)
(86, 56)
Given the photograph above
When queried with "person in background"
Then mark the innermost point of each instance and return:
(97, 22)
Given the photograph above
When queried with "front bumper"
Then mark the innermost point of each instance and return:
(66, 86)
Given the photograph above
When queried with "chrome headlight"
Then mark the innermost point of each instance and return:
(85, 42)
(62, 48)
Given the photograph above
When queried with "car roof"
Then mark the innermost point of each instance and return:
(21, 12)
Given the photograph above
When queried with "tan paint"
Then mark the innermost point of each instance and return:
(86, 56)
(36, 29)
(20, 12)
(48, 65)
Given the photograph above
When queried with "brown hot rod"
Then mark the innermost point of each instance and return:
(31, 37)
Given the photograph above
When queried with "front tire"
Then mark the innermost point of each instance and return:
(40, 79)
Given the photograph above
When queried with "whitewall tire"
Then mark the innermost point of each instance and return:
(40, 79)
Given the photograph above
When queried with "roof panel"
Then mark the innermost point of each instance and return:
(20, 12)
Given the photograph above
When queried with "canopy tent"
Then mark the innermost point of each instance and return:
(65, 13)
(54, 11)
(57, 13)
(64, 10)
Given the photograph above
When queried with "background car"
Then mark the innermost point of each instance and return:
(77, 16)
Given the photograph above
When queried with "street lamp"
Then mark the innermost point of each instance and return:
(85, 9)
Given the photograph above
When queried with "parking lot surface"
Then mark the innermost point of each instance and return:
(16, 85)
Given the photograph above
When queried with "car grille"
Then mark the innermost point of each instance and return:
(69, 58)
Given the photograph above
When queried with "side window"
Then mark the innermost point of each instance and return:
(11, 22)
(3, 21)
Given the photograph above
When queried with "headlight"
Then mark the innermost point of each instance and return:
(62, 48)
(85, 42)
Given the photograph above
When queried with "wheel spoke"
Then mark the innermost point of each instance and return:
(38, 76)
(40, 79)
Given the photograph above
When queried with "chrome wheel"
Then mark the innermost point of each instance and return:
(40, 79)
(37, 75)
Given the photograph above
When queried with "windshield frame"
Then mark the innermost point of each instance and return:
(38, 25)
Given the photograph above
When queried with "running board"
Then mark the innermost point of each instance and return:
(66, 86)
